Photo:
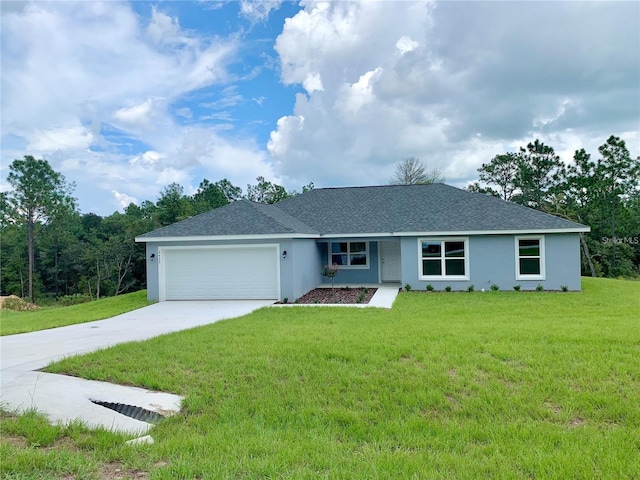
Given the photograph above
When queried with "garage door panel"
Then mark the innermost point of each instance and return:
(221, 273)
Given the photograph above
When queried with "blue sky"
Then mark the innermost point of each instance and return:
(124, 98)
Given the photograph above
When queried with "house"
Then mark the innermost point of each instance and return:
(403, 234)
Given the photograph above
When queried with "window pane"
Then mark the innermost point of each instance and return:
(339, 259)
(454, 267)
(529, 248)
(431, 267)
(454, 249)
(431, 249)
(340, 247)
(358, 247)
(359, 259)
(529, 266)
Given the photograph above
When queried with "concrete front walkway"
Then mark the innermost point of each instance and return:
(63, 398)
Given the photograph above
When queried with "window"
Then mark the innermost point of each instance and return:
(530, 258)
(444, 258)
(349, 254)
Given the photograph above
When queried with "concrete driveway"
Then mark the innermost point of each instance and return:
(63, 398)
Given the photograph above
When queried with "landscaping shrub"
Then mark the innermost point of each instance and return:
(470, 288)
(75, 299)
(495, 287)
(516, 288)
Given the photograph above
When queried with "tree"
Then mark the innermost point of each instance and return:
(39, 194)
(208, 197)
(619, 176)
(477, 188)
(173, 205)
(502, 171)
(229, 190)
(540, 173)
(411, 171)
(266, 192)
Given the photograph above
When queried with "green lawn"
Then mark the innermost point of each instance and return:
(444, 385)
(51, 317)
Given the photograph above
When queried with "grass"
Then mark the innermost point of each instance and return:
(51, 317)
(444, 385)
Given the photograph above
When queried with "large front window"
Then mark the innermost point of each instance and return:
(530, 258)
(444, 258)
(349, 254)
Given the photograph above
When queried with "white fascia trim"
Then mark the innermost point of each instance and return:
(208, 238)
(491, 232)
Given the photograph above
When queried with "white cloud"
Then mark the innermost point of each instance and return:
(313, 83)
(59, 138)
(123, 199)
(90, 86)
(405, 44)
(451, 83)
(258, 10)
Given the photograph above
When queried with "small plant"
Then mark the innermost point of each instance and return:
(285, 300)
(407, 287)
(330, 271)
(75, 299)
(516, 288)
(360, 298)
(448, 288)
(539, 288)
(565, 288)
(429, 288)
(470, 288)
(495, 287)
(366, 290)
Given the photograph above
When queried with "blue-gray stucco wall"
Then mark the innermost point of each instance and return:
(492, 260)
(299, 271)
(355, 276)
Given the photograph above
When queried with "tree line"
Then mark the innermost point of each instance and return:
(50, 249)
(603, 193)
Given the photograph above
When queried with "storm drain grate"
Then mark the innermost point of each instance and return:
(132, 411)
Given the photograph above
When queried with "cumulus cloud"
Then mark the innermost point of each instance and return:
(453, 83)
(90, 87)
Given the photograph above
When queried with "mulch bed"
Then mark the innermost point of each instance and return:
(338, 296)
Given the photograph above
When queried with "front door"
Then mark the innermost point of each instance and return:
(390, 269)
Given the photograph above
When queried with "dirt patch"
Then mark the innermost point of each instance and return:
(340, 296)
(114, 471)
(12, 302)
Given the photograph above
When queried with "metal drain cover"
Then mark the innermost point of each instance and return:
(132, 411)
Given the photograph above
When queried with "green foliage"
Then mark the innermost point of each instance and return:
(516, 288)
(604, 194)
(39, 194)
(440, 386)
(266, 192)
(75, 299)
(539, 288)
(447, 288)
(495, 287)
(285, 300)
(407, 287)
(470, 288)
(429, 288)
(564, 288)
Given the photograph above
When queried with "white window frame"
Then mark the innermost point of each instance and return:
(348, 254)
(444, 276)
(542, 275)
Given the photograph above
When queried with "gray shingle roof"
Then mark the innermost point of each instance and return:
(369, 210)
(237, 218)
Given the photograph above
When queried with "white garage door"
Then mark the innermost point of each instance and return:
(220, 273)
